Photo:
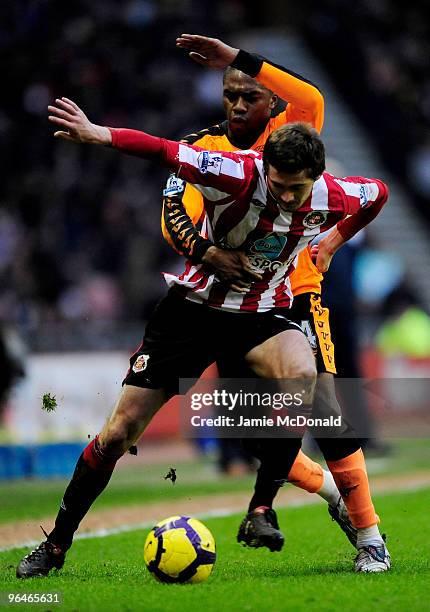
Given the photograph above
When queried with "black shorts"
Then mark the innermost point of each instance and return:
(308, 311)
(183, 338)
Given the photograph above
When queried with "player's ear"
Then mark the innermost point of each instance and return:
(273, 101)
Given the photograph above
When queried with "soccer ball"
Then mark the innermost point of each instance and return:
(180, 549)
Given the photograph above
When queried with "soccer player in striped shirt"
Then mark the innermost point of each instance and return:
(249, 104)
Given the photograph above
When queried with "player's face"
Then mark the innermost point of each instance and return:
(248, 105)
(289, 190)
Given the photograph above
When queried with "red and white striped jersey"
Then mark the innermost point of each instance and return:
(241, 215)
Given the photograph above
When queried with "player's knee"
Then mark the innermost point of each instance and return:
(117, 439)
(304, 370)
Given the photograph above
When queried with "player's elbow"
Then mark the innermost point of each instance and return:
(317, 109)
(384, 192)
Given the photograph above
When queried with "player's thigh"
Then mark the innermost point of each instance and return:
(133, 411)
(286, 355)
(172, 347)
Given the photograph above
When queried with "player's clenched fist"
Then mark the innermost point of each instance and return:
(209, 52)
(75, 124)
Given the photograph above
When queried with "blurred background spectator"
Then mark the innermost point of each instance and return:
(405, 330)
(12, 360)
(379, 57)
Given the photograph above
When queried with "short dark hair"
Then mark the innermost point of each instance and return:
(230, 70)
(295, 147)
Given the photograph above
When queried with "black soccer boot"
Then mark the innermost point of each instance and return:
(41, 560)
(260, 528)
(339, 513)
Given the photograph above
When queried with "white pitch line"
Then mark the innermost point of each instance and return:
(215, 513)
(102, 533)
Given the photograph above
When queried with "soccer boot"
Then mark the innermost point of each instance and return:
(260, 528)
(373, 558)
(339, 513)
(41, 561)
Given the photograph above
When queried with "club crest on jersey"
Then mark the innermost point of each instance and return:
(270, 246)
(315, 218)
(209, 162)
(140, 363)
(174, 186)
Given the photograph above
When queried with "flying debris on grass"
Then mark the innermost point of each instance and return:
(171, 475)
(49, 402)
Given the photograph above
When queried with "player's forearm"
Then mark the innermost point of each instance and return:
(182, 232)
(347, 228)
(331, 243)
(224, 171)
(144, 145)
(288, 85)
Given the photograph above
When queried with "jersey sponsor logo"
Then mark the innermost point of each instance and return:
(209, 162)
(270, 247)
(174, 186)
(315, 218)
(140, 363)
(262, 264)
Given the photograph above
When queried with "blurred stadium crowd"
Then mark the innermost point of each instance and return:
(379, 56)
(79, 228)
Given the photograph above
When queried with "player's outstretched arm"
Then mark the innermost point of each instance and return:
(209, 52)
(305, 101)
(214, 173)
(363, 201)
(75, 124)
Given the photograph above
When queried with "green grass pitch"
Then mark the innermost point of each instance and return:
(134, 485)
(313, 572)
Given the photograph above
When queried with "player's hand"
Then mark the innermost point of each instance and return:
(76, 125)
(322, 253)
(231, 267)
(321, 258)
(314, 252)
(209, 52)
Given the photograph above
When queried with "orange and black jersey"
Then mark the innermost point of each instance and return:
(183, 205)
(183, 209)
